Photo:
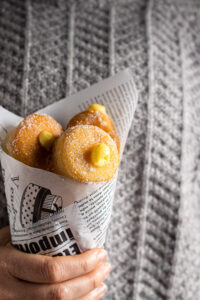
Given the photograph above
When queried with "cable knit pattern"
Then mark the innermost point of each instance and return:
(130, 47)
(186, 281)
(53, 48)
(91, 44)
(162, 185)
(12, 47)
(12, 51)
(47, 46)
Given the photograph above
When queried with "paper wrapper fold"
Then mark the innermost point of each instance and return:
(55, 215)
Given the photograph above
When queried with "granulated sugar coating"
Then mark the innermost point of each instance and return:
(23, 143)
(99, 119)
(72, 151)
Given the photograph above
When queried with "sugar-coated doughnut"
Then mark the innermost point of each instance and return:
(72, 154)
(99, 119)
(23, 142)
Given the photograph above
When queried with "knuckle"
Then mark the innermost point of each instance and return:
(59, 293)
(94, 281)
(51, 270)
(85, 266)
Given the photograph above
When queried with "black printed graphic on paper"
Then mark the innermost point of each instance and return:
(37, 203)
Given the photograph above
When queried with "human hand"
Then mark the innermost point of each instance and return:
(31, 276)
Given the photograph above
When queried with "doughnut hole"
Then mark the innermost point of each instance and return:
(72, 154)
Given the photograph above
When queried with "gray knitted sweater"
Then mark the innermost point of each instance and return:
(53, 48)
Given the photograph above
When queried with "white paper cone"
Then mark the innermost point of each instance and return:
(55, 215)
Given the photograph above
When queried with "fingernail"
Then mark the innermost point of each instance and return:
(107, 269)
(102, 255)
(100, 291)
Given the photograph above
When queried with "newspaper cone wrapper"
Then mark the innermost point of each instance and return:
(54, 215)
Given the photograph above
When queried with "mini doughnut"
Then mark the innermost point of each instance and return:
(24, 144)
(99, 119)
(77, 154)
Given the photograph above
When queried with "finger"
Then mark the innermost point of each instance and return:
(95, 294)
(4, 235)
(45, 269)
(69, 290)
